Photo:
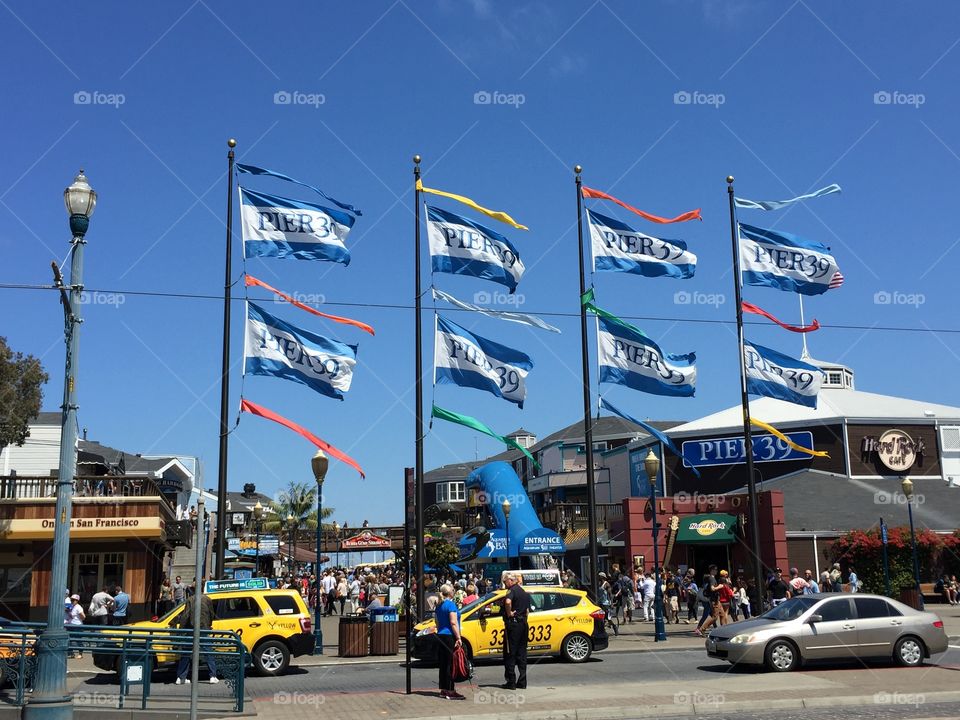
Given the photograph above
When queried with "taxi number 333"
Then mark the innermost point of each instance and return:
(535, 633)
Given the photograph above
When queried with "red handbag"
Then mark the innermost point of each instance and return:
(461, 670)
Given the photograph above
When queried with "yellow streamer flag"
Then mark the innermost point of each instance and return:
(495, 214)
(799, 448)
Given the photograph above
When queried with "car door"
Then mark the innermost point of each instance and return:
(878, 626)
(550, 620)
(486, 632)
(835, 635)
(240, 614)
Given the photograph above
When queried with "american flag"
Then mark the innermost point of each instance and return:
(836, 281)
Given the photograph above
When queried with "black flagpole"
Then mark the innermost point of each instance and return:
(225, 376)
(745, 401)
(418, 480)
(407, 567)
(587, 419)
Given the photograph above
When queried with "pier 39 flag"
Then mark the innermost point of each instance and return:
(618, 247)
(631, 359)
(462, 358)
(274, 347)
(784, 261)
(464, 247)
(280, 227)
(779, 376)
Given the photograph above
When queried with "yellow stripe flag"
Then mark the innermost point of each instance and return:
(776, 433)
(495, 214)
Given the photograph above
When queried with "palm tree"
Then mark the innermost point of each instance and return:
(300, 500)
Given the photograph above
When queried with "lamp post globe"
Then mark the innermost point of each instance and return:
(651, 464)
(319, 464)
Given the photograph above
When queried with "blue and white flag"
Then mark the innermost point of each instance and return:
(632, 359)
(462, 358)
(776, 375)
(280, 227)
(274, 347)
(254, 170)
(617, 247)
(464, 247)
(524, 318)
(784, 261)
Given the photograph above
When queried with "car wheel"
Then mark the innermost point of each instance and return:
(576, 648)
(782, 656)
(271, 657)
(908, 651)
(469, 651)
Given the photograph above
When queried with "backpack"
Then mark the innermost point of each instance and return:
(461, 671)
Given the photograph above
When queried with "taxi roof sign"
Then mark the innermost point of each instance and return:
(215, 586)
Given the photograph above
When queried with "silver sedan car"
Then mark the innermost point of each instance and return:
(830, 626)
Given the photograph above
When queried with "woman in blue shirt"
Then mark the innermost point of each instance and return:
(448, 638)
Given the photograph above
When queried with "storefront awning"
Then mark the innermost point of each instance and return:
(707, 528)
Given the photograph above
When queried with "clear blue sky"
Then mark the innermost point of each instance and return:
(598, 80)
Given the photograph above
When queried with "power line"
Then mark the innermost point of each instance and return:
(546, 313)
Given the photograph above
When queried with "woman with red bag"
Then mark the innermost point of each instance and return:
(448, 639)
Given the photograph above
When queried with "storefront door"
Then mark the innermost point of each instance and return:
(702, 556)
(90, 572)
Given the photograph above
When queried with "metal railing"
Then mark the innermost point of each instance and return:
(575, 516)
(132, 652)
(22, 487)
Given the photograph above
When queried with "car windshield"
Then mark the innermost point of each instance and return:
(166, 618)
(791, 609)
(479, 601)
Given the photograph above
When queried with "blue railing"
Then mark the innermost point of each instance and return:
(132, 652)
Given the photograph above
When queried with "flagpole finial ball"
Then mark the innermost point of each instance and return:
(231, 143)
(730, 179)
(416, 159)
(577, 169)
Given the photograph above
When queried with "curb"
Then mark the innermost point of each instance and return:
(697, 709)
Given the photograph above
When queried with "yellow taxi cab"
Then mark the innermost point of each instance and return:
(562, 621)
(274, 625)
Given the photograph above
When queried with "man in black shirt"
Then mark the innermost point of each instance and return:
(515, 608)
(779, 588)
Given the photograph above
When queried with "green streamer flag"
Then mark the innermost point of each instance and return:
(474, 424)
(587, 301)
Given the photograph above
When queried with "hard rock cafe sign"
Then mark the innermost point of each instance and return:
(897, 450)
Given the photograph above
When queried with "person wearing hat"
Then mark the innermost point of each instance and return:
(73, 616)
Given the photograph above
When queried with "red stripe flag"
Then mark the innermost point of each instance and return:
(600, 195)
(250, 280)
(751, 308)
(836, 281)
(253, 409)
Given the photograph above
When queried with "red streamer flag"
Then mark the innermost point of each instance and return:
(600, 195)
(250, 280)
(751, 308)
(254, 409)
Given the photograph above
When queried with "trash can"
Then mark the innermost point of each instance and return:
(384, 639)
(911, 596)
(353, 635)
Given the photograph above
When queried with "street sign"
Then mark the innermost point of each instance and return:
(215, 586)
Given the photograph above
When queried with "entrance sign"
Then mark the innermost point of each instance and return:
(366, 541)
(731, 451)
(708, 528)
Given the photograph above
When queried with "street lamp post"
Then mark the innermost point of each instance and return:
(336, 538)
(319, 464)
(50, 698)
(257, 518)
(291, 526)
(907, 486)
(505, 506)
(651, 464)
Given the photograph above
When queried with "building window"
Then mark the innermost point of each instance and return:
(835, 379)
(451, 492)
(93, 571)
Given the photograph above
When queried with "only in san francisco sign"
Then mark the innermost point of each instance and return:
(730, 451)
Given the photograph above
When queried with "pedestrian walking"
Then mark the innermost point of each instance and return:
(74, 617)
(448, 639)
(649, 589)
(185, 621)
(604, 600)
(165, 598)
(691, 592)
(515, 608)
(179, 591)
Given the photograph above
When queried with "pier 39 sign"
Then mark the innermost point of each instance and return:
(730, 451)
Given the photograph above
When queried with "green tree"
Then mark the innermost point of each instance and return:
(21, 394)
(440, 554)
(300, 500)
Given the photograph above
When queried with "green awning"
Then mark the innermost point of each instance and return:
(707, 528)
